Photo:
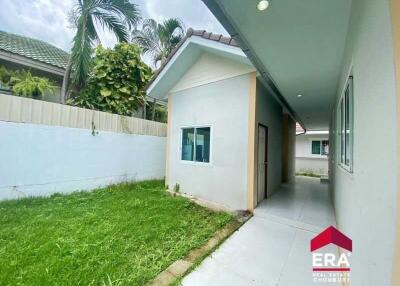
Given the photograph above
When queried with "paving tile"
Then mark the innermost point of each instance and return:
(272, 248)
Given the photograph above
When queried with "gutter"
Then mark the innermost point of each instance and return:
(220, 14)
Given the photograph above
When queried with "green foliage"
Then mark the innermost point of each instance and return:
(308, 173)
(120, 235)
(116, 82)
(177, 188)
(160, 115)
(23, 83)
(158, 40)
(5, 75)
(117, 16)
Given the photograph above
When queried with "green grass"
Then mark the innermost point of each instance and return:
(120, 235)
(308, 174)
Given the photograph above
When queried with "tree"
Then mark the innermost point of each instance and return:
(158, 40)
(117, 81)
(118, 16)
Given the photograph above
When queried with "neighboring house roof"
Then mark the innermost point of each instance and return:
(33, 49)
(198, 41)
(299, 129)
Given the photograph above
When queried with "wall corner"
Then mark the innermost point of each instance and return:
(251, 162)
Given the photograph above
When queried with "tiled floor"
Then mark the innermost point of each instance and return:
(272, 248)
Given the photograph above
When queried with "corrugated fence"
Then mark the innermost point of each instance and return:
(27, 110)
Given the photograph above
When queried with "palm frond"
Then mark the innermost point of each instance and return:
(159, 40)
(113, 24)
(124, 9)
(173, 26)
(81, 52)
(115, 15)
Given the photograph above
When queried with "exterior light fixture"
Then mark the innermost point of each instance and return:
(263, 5)
(299, 95)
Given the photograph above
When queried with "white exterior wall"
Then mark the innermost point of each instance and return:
(210, 68)
(223, 105)
(365, 200)
(39, 160)
(269, 113)
(305, 160)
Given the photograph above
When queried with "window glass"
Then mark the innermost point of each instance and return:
(347, 126)
(342, 131)
(324, 147)
(188, 144)
(203, 144)
(316, 147)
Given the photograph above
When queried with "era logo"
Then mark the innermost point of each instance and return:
(331, 262)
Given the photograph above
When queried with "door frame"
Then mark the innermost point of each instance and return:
(265, 159)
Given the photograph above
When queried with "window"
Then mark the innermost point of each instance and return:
(316, 147)
(196, 144)
(320, 147)
(345, 124)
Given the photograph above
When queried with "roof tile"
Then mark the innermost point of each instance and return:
(206, 35)
(199, 32)
(225, 40)
(215, 37)
(33, 49)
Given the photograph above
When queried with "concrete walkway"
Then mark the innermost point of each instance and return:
(272, 248)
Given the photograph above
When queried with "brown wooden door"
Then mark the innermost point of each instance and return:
(262, 163)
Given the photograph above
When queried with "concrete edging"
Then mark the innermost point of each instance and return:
(183, 266)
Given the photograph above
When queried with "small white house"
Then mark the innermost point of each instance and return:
(312, 152)
(230, 142)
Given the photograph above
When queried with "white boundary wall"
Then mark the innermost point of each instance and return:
(305, 160)
(39, 160)
(20, 109)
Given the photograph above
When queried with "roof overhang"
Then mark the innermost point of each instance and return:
(187, 54)
(296, 46)
(21, 60)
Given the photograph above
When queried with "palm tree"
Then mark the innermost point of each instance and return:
(158, 40)
(118, 16)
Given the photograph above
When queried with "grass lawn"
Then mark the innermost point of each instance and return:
(120, 235)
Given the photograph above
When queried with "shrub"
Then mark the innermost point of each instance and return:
(116, 82)
(25, 84)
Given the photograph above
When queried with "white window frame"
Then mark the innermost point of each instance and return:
(180, 145)
(320, 147)
(341, 140)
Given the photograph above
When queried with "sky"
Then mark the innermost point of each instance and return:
(47, 20)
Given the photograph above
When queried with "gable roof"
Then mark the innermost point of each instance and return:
(191, 32)
(33, 49)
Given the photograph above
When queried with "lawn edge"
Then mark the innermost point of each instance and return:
(173, 274)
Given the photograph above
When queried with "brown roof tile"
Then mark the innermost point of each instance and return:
(215, 37)
(225, 40)
(206, 35)
(199, 33)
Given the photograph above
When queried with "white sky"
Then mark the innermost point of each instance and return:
(47, 20)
